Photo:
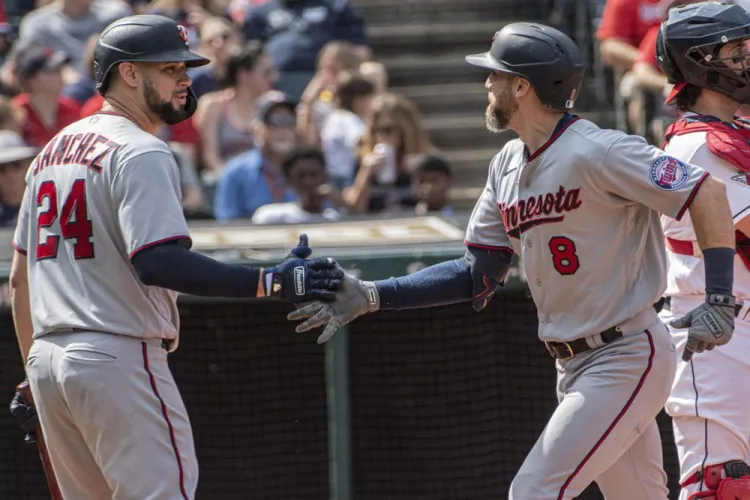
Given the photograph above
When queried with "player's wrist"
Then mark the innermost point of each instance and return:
(719, 264)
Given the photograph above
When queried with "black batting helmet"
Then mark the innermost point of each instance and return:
(143, 38)
(688, 44)
(544, 56)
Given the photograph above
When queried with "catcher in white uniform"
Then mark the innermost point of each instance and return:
(704, 49)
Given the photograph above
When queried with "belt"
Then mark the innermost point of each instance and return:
(683, 247)
(566, 350)
(667, 306)
(165, 344)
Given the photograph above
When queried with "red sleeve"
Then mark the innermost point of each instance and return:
(647, 48)
(617, 20)
(185, 133)
(93, 105)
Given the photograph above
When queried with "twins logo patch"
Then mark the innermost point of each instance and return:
(668, 173)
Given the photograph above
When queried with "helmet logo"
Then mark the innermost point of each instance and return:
(571, 102)
(183, 33)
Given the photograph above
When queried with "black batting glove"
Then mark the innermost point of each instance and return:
(298, 280)
(25, 416)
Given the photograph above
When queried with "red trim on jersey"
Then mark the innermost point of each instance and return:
(166, 417)
(489, 247)
(159, 242)
(690, 198)
(552, 139)
(617, 419)
(18, 249)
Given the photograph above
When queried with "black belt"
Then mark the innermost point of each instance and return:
(566, 350)
(667, 306)
(166, 344)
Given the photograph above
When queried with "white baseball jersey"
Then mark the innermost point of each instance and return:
(686, 273)
(582, 213)
(98, 193)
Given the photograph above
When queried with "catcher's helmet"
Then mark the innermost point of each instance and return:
(143, 38)
(546, 57)
(688, 43)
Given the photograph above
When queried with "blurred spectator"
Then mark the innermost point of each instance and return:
(67, 25)
(653, 83)
(295, 32)
(431, 186)
(623, 26)
(39, 71)
(305, 172)
(11, 116)
(342, 131)
(317, 99)
(81, 86)
(376, 73)
(393, 143)
(254, 179)
(219, 37)
(15, 157)
(224, 119)
(188, 13)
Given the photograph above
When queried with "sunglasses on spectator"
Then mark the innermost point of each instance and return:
(13, 165)
(281, 121)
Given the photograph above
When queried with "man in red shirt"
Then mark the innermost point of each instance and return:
(39, 73)
(623, 27)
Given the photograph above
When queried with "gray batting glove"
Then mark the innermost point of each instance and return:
(709, 324)
(354, 299)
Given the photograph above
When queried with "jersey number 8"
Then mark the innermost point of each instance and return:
(564, 256)
(74, 222)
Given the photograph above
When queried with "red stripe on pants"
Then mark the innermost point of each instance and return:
(166, 417)
(617, 419)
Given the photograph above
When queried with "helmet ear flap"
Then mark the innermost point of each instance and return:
(191, 103)
(666, 62)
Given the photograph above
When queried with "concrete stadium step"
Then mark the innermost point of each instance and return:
(448, 98)
(433, 38)
(460, 132)
(413, 69)
(406, 11)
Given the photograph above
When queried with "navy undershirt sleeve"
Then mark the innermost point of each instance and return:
(176, 268)
(446, 283)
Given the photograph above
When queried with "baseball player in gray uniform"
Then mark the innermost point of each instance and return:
(102, 251)
(580, 206)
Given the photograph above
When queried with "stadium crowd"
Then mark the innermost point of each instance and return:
(294, 124)
(295, 120)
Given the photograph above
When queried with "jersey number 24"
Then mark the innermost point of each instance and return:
(74, 223)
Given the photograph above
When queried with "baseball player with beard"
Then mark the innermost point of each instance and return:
(580, 206)
(102, 248)
(704, 49)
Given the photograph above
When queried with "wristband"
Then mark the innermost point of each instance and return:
(719, 270)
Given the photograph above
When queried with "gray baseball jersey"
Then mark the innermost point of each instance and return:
(584, 219)
(98, 193)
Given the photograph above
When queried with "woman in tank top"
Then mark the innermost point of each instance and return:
(224, 118)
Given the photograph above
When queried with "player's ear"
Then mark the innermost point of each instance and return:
(521, 87)
(128, 73)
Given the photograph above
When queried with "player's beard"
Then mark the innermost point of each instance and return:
(164, 110)
(498, 113)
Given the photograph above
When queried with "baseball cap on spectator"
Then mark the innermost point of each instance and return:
(36, 58)
(272, 100)
(12, 148)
